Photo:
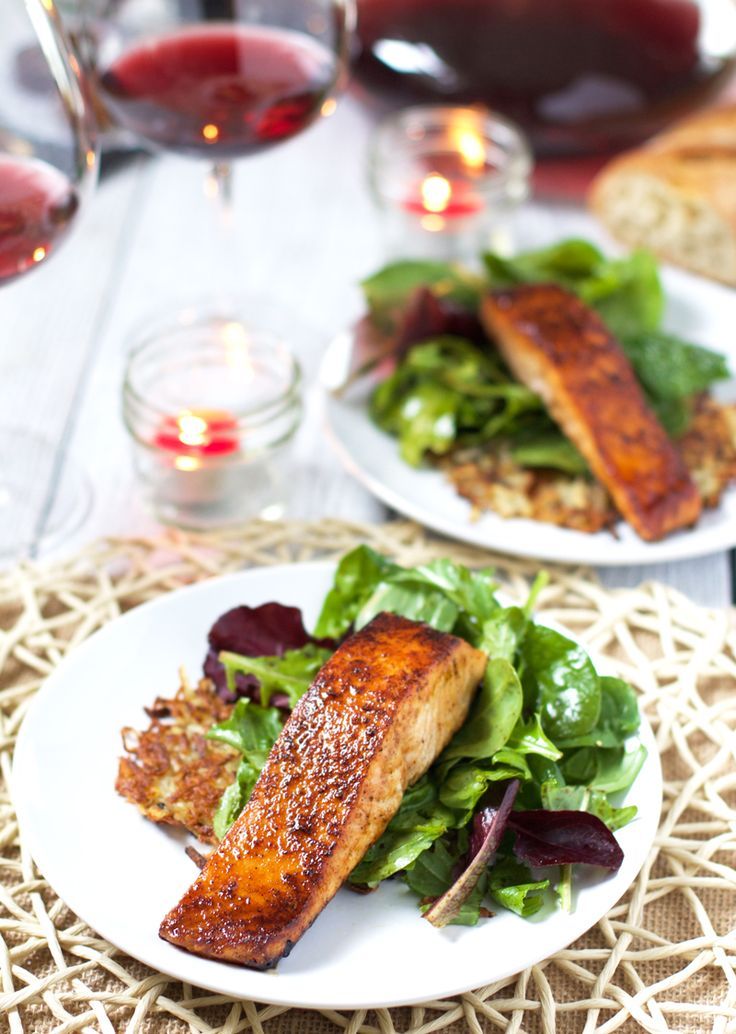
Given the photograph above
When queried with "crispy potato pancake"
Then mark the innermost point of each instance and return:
(171, 771)
(491, 480)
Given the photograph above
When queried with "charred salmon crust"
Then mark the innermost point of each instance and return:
(376, 716)
(562, 350)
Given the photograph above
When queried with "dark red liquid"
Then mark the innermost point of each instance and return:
(580, 75)
(223, 89)
(37, 203)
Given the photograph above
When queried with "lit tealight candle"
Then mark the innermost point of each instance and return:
(225, 460)
(448, 179)
(439, 201)
(195, 433)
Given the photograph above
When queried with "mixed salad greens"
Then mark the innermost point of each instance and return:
(450, 387)
(528, 781)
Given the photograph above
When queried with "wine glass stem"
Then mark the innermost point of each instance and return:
(218, 190)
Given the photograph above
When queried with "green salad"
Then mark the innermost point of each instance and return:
(450, 388)
(525, 789)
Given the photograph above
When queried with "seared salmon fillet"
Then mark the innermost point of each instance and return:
(562, 350)
(374, 719)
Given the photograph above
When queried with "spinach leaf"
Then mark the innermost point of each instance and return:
(560, 682)
(618, 768)
(626, 292)
(252, 730)
(439, 593)
(617, 719)
(502, 633)
(670, 368)
(493, 716)
(568, 262)
(357, 575)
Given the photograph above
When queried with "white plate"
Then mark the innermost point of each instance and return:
(697, 310)
(121, 873)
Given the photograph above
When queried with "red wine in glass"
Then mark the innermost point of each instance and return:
(37, 204)
(224, 89)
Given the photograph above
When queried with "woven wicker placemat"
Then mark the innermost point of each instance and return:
(662, 959)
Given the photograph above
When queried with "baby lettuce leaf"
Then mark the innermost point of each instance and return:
(489, 825)
(512, 885)
(598, 804)
(388, 291)
(529, 738)
(252, 730)
(561, 683)
(288, 676)
(434, 872)
(552, 451)
(558, 797)
(420, 820)
(268, 630)
(448, 392)
(564, 837)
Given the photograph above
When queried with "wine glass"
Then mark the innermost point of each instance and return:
(218, 80)
(48, 165)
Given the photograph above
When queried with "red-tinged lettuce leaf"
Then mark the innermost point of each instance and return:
(564, 837)
(266, 631)
(489, 825)
(427, 316)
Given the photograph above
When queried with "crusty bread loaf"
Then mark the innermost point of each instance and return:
(677, 195)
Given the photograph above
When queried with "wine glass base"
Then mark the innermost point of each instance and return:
(43, 499)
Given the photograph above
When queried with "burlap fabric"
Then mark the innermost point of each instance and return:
(661, 960)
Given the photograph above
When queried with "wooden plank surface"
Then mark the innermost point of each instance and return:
(305, 232)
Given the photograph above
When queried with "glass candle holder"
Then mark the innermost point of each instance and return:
(448, 180)
(212, 408)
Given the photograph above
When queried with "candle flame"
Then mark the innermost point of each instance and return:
(471, 147)
(39, 254)
(210, 132)
(192, 429)
(436, 192)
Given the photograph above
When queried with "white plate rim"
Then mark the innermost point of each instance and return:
(650, 778)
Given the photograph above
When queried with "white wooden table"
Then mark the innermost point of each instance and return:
(307, 232)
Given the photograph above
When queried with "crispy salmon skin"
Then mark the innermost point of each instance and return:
(375, 718)
(562, 350)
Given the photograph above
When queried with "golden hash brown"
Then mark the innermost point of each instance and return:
(490, 479)
(709, 448)
(171, 771)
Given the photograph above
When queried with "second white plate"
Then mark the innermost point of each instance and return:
(698, 310)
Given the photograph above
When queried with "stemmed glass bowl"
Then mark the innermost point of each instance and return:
(217, 80)
(48, 165)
